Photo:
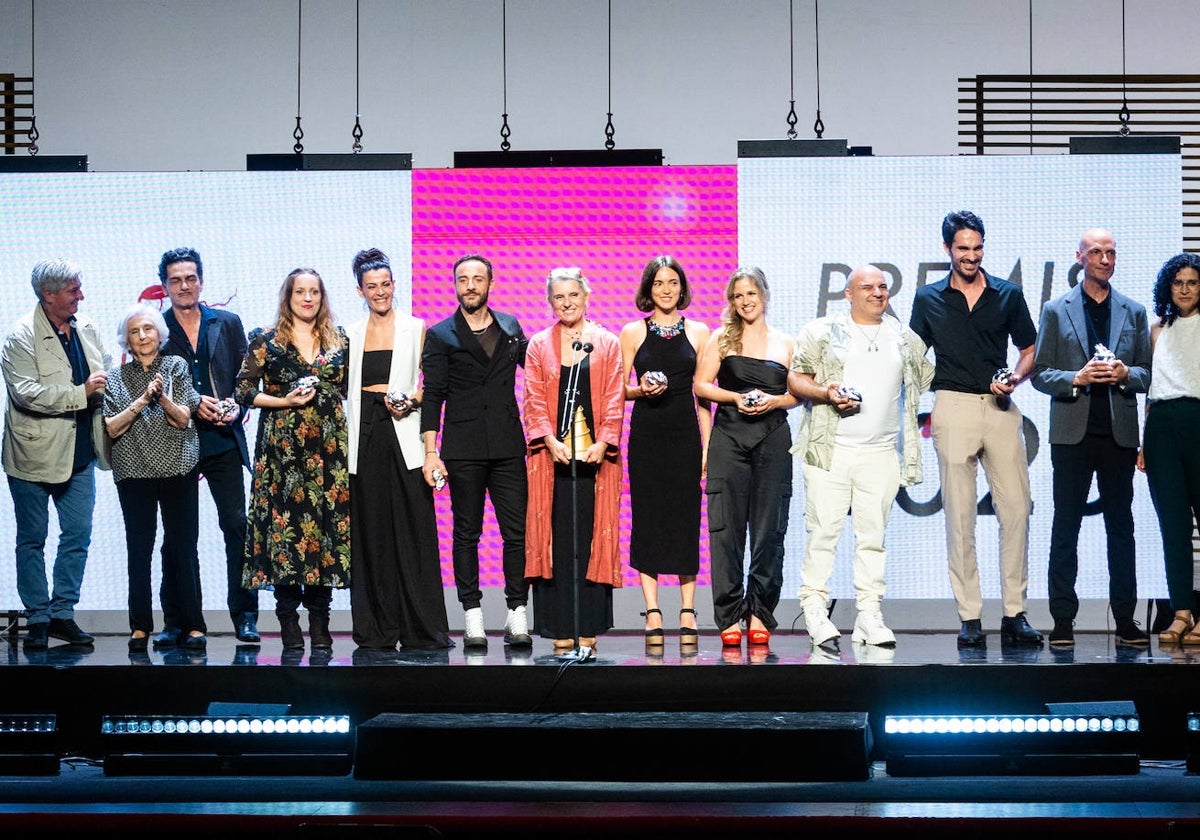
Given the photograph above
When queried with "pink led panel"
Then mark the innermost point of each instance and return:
(608, 221)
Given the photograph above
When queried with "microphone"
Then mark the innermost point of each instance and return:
(587, 347)
(577, 344)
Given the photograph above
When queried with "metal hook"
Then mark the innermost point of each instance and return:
(819, 126)
(792, 119)
(299, 135)
(357, 134)
(505, 133)
(609, 133)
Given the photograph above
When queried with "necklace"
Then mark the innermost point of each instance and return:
(872, 340)
(484, 329)
(665, 332)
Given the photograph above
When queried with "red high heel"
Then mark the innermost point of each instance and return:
(731, 637)
(759, 637)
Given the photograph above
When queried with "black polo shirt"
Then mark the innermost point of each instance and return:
(970, 345)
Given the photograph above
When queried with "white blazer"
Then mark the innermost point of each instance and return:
(404, 376)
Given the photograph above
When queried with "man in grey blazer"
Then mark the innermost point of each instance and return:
(1093, 430)
(55, 369)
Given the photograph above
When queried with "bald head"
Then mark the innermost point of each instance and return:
(1097, 255)
(867, 291)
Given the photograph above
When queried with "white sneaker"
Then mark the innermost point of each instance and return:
(473, 635)
(869, 629)
(516, 628)
(820, 628)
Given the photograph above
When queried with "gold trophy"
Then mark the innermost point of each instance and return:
(581, 435)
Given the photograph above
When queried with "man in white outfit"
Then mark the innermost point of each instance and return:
(860, 375)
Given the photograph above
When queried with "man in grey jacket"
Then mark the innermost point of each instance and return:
(1093, 359)
(55, 369)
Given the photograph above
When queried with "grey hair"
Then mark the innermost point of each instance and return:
(142, 310)
(558, 275)
(53, 276)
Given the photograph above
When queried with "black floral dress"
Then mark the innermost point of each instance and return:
(298, 523)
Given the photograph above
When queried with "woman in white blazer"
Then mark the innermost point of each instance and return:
(396, 594)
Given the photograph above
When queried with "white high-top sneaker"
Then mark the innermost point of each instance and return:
(516, 628)
(869, 628)
(473, 635)
(820, 628)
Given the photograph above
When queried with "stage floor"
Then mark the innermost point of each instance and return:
(616, 648)
(925, 673)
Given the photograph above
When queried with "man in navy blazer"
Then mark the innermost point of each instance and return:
(213, 343)
(1093, 429)
(469, 366)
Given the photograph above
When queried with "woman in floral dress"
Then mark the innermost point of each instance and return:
(298, 524)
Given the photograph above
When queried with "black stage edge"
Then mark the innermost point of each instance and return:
(43, 163)
(558, 157)
(310, 162)
(604, 746)
(80, 694)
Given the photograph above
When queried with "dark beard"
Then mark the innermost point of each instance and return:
(471, 309)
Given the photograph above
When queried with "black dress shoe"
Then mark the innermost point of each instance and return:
(68, 631)
(169, 637)
(1130, 635)
(1015, 630)
(971, 634)
(196, 642)
(137, 644)
(36, 636)
(247, 631)
(1063, 634)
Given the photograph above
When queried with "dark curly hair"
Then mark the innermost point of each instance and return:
(1164, 306)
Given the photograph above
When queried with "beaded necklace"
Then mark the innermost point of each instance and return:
(665, 332)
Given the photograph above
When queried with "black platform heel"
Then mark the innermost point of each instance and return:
(654, 637)
(688, 635)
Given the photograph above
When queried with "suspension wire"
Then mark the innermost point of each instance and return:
(505, 131)
(609, 131)
(357, 132)
(1123, 115)
(33, 131)
(298, 147)
(819, 125)
(792, 119)
(1030, 76)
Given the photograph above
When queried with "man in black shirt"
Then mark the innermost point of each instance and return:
(968, 319)
(213, 343)
(1093, 430)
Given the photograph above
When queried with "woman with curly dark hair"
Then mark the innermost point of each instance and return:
(1169, 455)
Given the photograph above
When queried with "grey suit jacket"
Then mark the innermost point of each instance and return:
(1063, 348)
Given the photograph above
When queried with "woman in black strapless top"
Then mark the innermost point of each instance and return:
(743, 371)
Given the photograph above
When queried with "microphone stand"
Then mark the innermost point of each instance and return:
(581, 653)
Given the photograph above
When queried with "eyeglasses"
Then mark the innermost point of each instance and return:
(1185, 284)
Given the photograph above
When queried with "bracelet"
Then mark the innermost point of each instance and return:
(430, 451)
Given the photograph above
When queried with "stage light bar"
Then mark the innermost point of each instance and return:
(29, 745)
(1060, 745)
(198, 745)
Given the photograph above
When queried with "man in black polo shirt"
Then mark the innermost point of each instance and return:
(968, 319)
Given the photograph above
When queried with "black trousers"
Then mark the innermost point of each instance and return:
(504, 479)
(142, 500)
(748, 490)
(1074, 466)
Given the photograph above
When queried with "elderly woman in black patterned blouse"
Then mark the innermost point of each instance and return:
(148, 407)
